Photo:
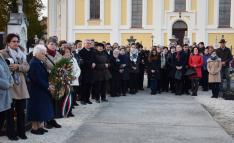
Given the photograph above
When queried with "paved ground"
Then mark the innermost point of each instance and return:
(151, 119)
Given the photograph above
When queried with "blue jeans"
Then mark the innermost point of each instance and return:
(154, 85)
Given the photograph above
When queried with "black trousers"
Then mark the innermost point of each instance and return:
(164, 80)
(99, 90)
(133, 82)
(18, 107)
(85, 91)
(186, 84)
(215, 89)
(195, 85)
(172, 84)
(178, 87)
(141, 79)
(115, 87)
(8, 117)
(205, 84)
(123, 86)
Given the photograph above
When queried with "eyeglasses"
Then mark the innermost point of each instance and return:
(15, 41)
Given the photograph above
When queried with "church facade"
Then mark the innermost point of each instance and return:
(151, 22)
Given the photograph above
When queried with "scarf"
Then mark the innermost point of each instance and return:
(178, 56)
(133, 54)
(51, 52)
(213, 57)
(19, 57)
(16, 54)
(163, 60)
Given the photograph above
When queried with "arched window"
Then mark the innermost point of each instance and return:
(94, 9)
(136, 13)
(224, 13)
(180, 5)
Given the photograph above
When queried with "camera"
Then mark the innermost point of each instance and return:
(9, 61)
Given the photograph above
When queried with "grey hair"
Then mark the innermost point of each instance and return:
(39, 48)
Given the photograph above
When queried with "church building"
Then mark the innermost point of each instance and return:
(151, 22)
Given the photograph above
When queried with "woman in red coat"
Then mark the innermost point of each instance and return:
(195, 61)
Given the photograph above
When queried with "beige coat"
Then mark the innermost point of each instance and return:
(18, 91)
(214, 68)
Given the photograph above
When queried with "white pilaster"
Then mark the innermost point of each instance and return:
(52, 17)
(216, 13)
(115, 20)
(202, 22)
(63, 20)
(158, 21)
(129, 13)
(70, 20)
(87, 12)
(188, 5)
(172, 5)
(144, 13)
(102, 12)
(232, 14)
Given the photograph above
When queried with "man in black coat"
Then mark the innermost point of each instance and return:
(141, 67)
(86, 66)
(226, 56)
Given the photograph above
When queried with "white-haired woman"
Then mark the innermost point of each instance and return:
(40, 108)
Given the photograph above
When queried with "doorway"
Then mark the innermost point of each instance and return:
(179, 30)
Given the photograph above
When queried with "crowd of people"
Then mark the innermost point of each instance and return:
(99, 69)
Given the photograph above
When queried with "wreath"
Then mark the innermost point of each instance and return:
(61, 77)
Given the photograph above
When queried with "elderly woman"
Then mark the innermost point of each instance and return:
(52, 56)
(40, 107)
(6, 82)
(18, 66)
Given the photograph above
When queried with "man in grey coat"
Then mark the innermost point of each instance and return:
(6, 82)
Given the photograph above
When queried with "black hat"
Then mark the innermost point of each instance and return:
(222, 41)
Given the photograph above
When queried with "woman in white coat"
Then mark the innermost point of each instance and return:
(75, 73)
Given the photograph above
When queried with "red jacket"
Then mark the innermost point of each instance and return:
(196, 62)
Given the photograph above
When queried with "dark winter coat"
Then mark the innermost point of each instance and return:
(225, 55)
(86, 60)
(101, 72)
(154, 65)
(181, 60)
(115, 68)
(40, 106)
(124, 60)
(171, 67)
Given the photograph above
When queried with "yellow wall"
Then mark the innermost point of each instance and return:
(99, 37)
(123, 12)
(166, 5)
(144, 38)
(227, 36)
(165, 39)
(79, 12)
(194, 5)
(210, 12)
(194, 37)
(94, 22)
(107, 11)
(149, 12)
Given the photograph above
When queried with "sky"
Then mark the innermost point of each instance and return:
(44, 12)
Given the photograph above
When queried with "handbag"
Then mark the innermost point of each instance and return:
(190, 71)
(178, 75)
